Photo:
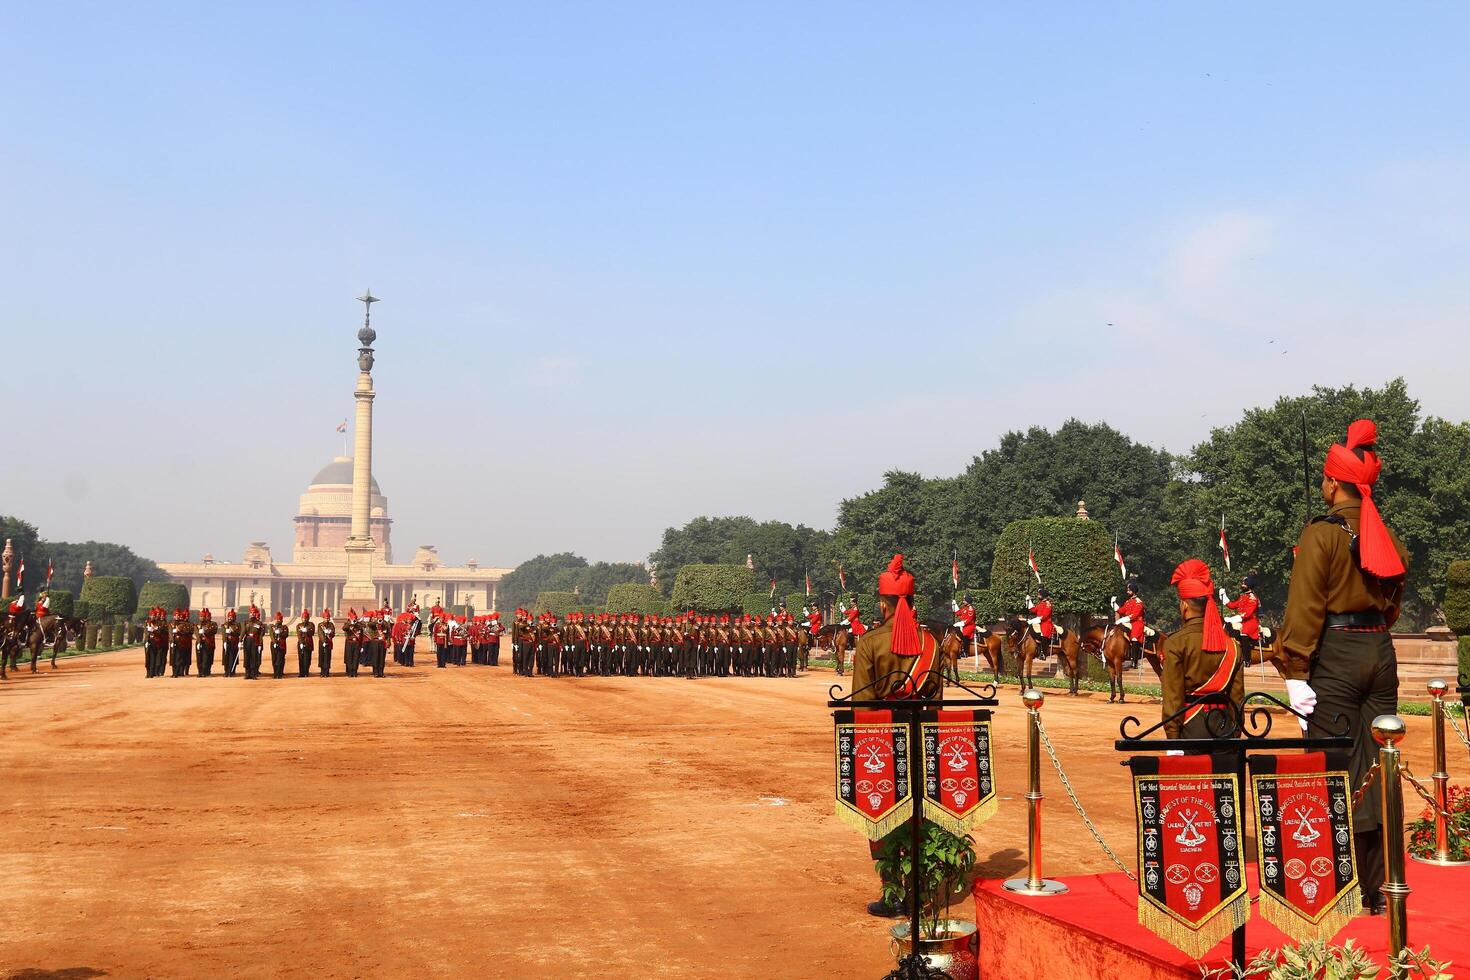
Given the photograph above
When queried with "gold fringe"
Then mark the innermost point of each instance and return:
(1299, 927)
(876, 830)
(1195, 942)
(960, 826)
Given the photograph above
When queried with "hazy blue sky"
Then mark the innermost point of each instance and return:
(697, 258)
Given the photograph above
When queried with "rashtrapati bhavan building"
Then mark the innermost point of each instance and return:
(342, 555)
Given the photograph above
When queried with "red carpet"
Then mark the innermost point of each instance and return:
(1093, 930)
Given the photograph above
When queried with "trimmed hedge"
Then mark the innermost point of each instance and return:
(1456, 605)
(169, 595)
(796, 600)
(109, 595)
(636, 597)
(557, 603)
(757, 604)
(63, 603)
(1464, 646)
(714, 588)
(1075, 558)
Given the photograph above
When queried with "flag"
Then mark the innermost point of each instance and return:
(342, 426)
(841, 578)
(1031, 560)
(773, 588)
(49, 570)
(1118, 557)
(809, 583)
(20, 572)
(1224, 548)
(954, 571)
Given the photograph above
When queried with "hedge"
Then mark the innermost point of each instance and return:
(987, 610)
(1464, 646)
(757, 604)
(63, 603)
(714, 588)
(796, 600)
(557, 603)
(110, 595)
(1457, 597)
(636, 597)
(1075, 557)
(169, 595)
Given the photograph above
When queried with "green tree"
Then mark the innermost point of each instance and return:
(24, 543)
(908, 515)
(168, 595)
(593, 582)
(777, 549)
(1075, 558)
(70, 560)
(559, 603)
(713, 588)
(540, 574)
(107, 596)
(636, 597)
(63, 602)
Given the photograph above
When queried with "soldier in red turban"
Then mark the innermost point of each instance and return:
(1198, 660)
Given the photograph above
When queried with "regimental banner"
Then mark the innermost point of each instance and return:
(1191, 873)
(874, 790)
(1304, 843)
(959, 778)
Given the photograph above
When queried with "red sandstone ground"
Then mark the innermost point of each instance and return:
(468, 822)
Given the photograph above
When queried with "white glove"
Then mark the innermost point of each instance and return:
(1234, 621)
(1223, 596)
(1175, 752)
(1124, 621)
(954, 605)
(1303, 699)
(1114, 601)
(1029, 602)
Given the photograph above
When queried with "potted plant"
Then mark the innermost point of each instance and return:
(945, 863)
(1319, 960)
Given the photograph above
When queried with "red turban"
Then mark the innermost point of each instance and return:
(899, 582)
(1192, 579)
(1376, 552)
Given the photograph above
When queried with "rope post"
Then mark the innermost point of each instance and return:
(1033, 883)
(1388, 731)
(1437, 690)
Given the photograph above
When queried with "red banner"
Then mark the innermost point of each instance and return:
(959, 783)
(874, 790)
(1191, 872)
(1304, 843)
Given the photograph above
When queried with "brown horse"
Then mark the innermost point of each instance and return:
(991, 644)
(840, 638)
(1024, 646)
(54, 632)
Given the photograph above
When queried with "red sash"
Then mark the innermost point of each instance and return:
(1218, 681)
(921, 668)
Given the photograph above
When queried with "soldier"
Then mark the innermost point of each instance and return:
(1130, 616)
(1197, 660)
(1244, 626)
(1041, 624)
(204, 642)
(439, 630)
(305, 640)
(493, 632)
(231, 642)
(155, 641)
(1347, 587)
(254, 634)
(964, 621)
(325, 633)
(280, 632)
(352, 643)
(378, 645)
(458, 637)
(895, 660)
(854, 617)
(181, 643)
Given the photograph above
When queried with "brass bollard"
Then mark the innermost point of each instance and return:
(1437, 690)
(1033, 883)
(1388, 731)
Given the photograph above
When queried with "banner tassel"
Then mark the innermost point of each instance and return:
(1192, 941)
(875, 829)
(1328, 924)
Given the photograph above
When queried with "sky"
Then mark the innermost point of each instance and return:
(640, 262)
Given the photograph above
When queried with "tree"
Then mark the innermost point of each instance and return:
(540, 574)
(593, 582)
(109, 595)
(63, 602)
(24, 540)
(635, 597)
(167, 595)
(1075, 558)
(778, 550)
(908, 515)
(70, 560)
(557, 603)
(713, 588)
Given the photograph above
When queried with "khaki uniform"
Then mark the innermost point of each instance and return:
(1353, 670)
(873, 659)
(1186, 667)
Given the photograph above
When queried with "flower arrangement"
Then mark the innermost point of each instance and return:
(1421, 831)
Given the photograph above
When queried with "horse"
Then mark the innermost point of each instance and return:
(1024, 644)
(60, 630)
(990, 643)
(839, 635)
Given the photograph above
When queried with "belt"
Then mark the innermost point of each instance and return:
(1355, 620)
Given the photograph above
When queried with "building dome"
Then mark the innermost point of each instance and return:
(338, 473)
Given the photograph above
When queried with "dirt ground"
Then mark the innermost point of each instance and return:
(468, 822)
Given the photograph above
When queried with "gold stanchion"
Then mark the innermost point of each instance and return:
(1033, 883)
(1437, 690)
(1388, 731)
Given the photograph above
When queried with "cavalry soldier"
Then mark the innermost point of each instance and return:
(896, 660)
(1129, 616)
(43, 605)
(1197, 660)
(325, 633)
(181, 643)
(279, 634)
(305, 640)
(231, 642)
(155, 640)
(204, 642)
(964, 621)
(1244, 626)
(1041, 624)
(351, 643)
(854, 616)
(254, 639)
(1347, 588)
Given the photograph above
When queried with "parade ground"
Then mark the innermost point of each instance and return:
(469, 822)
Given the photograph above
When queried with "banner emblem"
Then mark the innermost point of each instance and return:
(874, 792)
(959, 785)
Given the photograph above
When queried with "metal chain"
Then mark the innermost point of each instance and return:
(1425, 795)
(1076, 803)
(1369, 778)
(1454, 727)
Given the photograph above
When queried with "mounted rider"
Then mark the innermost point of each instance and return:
(1041, 624)
(1130, 616)
(1245, 626)
(849, 609)
(964, 621)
